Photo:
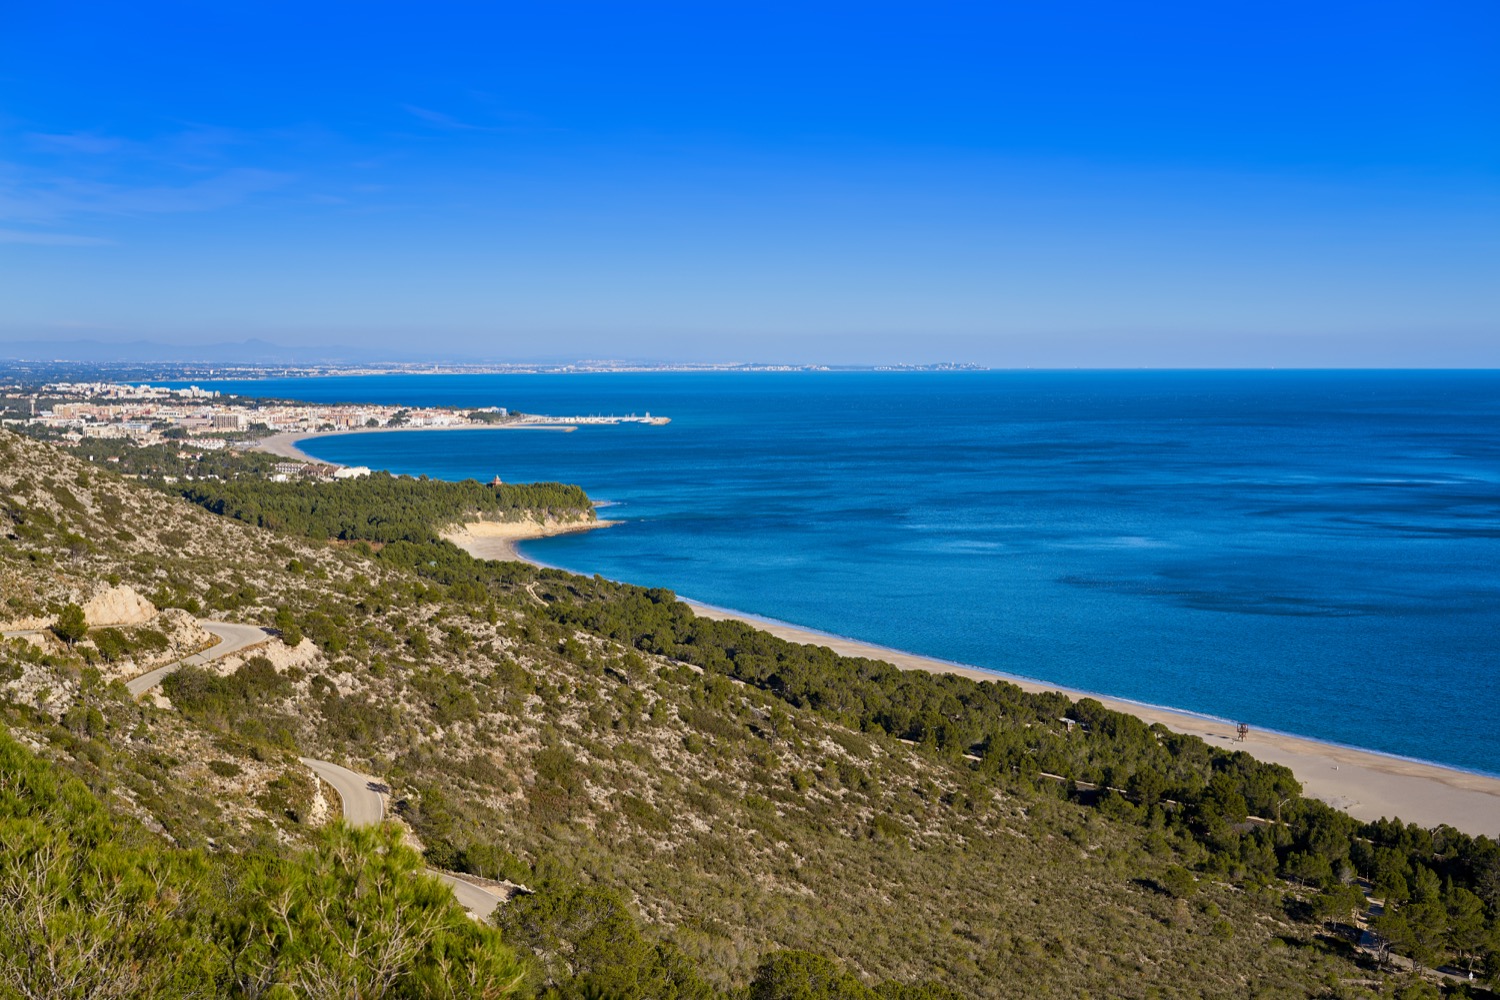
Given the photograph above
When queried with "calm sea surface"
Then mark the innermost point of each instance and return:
(1312, 552)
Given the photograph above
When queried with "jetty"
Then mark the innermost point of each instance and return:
(539, 420)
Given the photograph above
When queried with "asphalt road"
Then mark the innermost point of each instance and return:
(362, 795)
(471, 897)
(364, 805)
(232, 639)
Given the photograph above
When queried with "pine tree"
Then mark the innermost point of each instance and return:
(71, 625)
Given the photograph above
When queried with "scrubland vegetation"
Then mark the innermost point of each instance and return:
(697, 809)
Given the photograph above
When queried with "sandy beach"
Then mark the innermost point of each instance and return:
(285, 445)
(1366, 784)
(497, 539)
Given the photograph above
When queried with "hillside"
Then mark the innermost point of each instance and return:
(696, 805)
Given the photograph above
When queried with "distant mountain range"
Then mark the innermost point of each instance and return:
(261, 353)
(243, 352)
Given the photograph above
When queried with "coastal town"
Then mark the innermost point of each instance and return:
(206, 419)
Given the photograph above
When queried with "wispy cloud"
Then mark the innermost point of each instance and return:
(44, 239)
(220, 191)
(89, 143)
(193, 143)
(442, 120)
(60, 181)
(54, 200)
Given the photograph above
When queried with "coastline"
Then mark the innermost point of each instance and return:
(497, 539)
(1367, 784)
(285, 444)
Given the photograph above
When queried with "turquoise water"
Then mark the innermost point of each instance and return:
(1312, 552)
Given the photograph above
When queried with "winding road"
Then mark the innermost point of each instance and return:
(232, 639)
(364, 805)
(363, 796)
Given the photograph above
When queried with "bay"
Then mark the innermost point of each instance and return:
(1312, 552)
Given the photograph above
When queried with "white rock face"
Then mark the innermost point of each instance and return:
(182, 631)
(282, 656)
(118, 606)
(25, 624)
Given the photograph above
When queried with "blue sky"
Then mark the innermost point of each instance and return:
(1053, 184)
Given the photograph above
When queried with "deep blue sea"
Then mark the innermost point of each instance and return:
(1313, 552)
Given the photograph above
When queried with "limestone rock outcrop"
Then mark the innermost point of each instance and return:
(118, 606)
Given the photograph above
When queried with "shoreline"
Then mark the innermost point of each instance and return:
(497, 539)
(284, 444)
(1367, 784)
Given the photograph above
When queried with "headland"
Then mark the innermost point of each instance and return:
(1366, 784)
(286, 444)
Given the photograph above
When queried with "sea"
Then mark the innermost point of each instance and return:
(1314, 552)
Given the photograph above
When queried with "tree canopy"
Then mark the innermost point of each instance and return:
(382, 507)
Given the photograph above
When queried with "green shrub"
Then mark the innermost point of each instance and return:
(291, 795)
(1178, 882)
(111, 644)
